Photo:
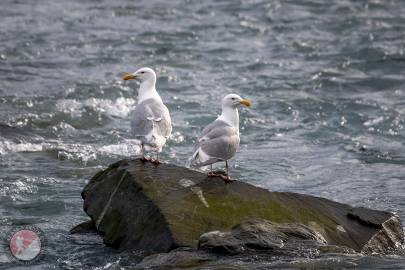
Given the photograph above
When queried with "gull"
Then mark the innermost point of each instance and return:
(150, 121)
(220, 139)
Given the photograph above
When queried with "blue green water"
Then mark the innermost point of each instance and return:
(326, 79)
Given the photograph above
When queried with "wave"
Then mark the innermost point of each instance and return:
(120, 107)
(71, 151)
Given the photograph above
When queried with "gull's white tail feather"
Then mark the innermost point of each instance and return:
(200, 159)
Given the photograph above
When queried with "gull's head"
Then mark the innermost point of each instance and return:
(144, 74)
(234, 101)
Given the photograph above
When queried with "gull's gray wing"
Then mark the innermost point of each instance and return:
(206, 130)
(218, 141)
(151, 123)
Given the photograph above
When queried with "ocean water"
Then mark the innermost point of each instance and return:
(326, 79)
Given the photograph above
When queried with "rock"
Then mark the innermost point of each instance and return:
(136, 205)
(388, 237)
(221, 242)
(336, 249)
(85, 227)
(257, 234)
(178, 258)
(369, 217)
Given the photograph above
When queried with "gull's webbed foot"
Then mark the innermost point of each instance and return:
(145, 159)
(214, 174)
(156, 161)
(227, 179)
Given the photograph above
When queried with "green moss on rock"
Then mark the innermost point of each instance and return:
(163, 207)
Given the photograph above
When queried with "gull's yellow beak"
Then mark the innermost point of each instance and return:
(128, 76)
(246, 102)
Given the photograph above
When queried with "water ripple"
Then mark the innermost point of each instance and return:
(325, 77)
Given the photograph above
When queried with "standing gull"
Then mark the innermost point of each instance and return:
(150, 123)
(220, 139)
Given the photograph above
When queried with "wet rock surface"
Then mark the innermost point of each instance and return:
(257, 235)
(181, 257)
(136, 205)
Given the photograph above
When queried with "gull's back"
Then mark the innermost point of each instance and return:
(217, 142)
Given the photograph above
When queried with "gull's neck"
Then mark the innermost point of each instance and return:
(231, 116)
(147, 90)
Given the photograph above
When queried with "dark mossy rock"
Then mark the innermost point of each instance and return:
(137, 205)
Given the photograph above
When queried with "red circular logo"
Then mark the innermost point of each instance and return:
(25, 245)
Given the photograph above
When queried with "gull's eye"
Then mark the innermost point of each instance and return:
(233, 98)
(142, 72)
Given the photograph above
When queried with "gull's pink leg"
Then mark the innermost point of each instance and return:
(227, 179)
(156, 161)
(143, 158)
(212, 174)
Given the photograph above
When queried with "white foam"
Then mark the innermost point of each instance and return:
(177, 137)
(62, 126)
(16, 189)
(122, 149)
(374, 121)
(9, 146)
(120, 107)
(81, 152)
